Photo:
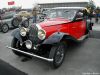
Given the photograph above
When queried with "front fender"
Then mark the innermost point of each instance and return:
(54, 38)
(16, 34)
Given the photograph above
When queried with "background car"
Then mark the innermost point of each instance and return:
(6, 21)
(18, 17)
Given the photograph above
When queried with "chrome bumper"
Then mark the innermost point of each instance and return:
(30, 54)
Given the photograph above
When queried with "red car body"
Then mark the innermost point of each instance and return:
(75, 29)
(46, 40)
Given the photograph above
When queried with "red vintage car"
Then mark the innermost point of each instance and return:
(47, 40)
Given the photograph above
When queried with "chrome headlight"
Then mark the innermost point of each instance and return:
(41, 34)
(28, 44)
(23, 31)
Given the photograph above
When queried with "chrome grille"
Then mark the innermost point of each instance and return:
(33, 34)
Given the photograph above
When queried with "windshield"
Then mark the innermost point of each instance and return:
(61, 13)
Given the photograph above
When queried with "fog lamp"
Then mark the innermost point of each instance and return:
(28, 44)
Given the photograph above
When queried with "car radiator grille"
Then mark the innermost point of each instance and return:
(33, 34)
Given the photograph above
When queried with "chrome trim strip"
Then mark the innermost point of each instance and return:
(31, 54)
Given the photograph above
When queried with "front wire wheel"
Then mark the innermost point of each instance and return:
(59, 54)
(15, 22)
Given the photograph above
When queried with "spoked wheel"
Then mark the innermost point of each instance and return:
(5, 28)
(15, 22)
(58, 55)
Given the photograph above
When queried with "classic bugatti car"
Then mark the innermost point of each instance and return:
(47, 40)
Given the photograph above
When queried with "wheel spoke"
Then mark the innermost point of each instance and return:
(16, 22)
(59, 55)
(5, 28)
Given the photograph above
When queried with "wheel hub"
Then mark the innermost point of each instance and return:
(5, 28)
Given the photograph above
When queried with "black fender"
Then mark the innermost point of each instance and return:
(54, 38)
(16, 34)
(1, 24)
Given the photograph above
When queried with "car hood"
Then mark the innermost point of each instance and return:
(56, 21)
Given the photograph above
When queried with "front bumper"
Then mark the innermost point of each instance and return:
(31, 54)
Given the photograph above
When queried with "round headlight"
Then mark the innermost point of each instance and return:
(41, 34)
(28, 44)
(23, 31)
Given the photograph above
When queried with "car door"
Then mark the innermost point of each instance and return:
(78, 25)
(73, 29)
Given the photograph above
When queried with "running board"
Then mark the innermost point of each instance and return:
(30, 54)
(83, 37)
